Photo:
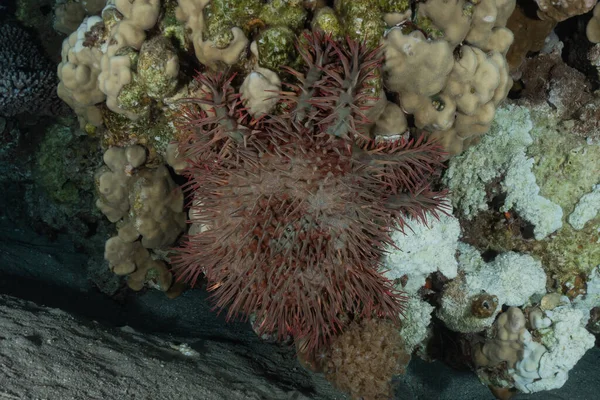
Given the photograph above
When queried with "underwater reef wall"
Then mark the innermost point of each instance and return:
(362, 179)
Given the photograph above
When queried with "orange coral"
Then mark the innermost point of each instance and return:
(363, 359)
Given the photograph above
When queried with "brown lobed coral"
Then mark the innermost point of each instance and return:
(299, 206)
(559, 10)
(530, 36)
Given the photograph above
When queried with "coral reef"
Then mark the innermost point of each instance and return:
(257, 38)
(566, 169)
(115, 77)
(510, 279)
(503, 153)
(147, 200)
(452, 91)
(317, 201)
(531, 349)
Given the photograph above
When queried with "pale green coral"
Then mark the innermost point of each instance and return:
(222, 15)
(586, 209)
(566, 166)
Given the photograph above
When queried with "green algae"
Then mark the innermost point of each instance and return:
(276, 48)
(289, 13)
(62, 160)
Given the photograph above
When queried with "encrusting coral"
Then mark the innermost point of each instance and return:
(299, 205)
(533, 349)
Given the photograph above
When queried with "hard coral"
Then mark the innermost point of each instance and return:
(363, 360)
(300, 206)
(559, 10)
(27, 83)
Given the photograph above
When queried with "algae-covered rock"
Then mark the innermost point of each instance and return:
(394, 6)
(362, 20)
(276, 47)
(288, 13)
(172, 28)
(222, 15)
(326, 21)
(158, 67)
(59, 197)
(154, 132)
(63, 160)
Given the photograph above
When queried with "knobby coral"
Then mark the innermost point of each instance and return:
(296, 207)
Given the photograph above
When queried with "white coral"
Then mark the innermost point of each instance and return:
(502, 153)
(422, 250)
